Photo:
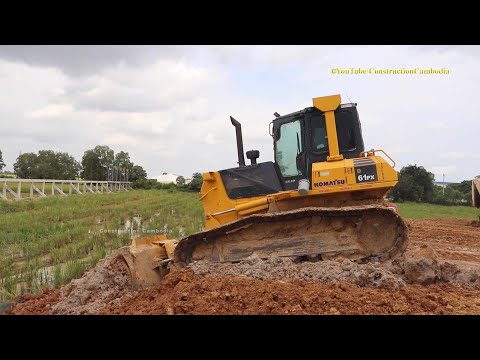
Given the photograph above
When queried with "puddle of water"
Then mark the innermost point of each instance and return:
(45, 277)
(130, 225)
(181, 231)
(4, 306)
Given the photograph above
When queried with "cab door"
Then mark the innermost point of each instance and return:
(290, 155)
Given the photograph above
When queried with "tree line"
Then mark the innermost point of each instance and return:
(100, 163)
(415, 183)
(180, 184)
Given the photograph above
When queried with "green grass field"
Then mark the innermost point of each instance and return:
(64, 234)
(412, 210)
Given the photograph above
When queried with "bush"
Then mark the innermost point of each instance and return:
(144, 184)
(452, 196)
(196, 183)
(414, 184)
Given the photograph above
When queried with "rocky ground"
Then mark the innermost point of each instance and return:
(438, 274)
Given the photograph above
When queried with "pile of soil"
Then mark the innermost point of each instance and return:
(186, 293)
(109, 280)
(438, 274)
(183, 292)
(328, 271)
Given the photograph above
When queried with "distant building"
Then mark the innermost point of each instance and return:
(166, 178)
(442, 183)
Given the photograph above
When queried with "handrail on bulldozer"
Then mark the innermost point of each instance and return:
(372, 153)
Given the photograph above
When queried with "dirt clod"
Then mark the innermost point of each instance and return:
(421, 265)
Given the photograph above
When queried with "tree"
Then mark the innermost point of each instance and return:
(456, 194)
(138, 173)
(196, 183)
(122, 160)
(91, 165)
(69, 168)
(123, 165)
(47, 164)
(414, 184)
(105, 154)
(106, 157)
(24, 167)
(2, 164)
(95, 162)
(464, 187)
(180, 180)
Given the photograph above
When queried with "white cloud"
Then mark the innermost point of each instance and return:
(161, 86)
(438, 125)
(170, 106)
(120, 139)
(460, 155)
(446, 169)
(50, 111)
(210, 139)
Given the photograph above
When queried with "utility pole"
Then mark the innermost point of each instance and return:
(443, 184)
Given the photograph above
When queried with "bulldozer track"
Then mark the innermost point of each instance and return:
(368, 232)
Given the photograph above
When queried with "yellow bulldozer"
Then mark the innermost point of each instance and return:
(322, 198)
(476, 192)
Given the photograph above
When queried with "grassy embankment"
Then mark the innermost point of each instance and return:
(411, 210)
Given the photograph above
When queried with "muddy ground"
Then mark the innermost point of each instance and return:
(438, 274)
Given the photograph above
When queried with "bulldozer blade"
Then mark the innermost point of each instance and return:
(147, 260)
(356, 232)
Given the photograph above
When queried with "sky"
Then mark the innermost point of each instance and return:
(169, 106)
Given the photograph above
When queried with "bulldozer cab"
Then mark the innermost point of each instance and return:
(301, 139)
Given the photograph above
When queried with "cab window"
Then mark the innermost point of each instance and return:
(288, 147)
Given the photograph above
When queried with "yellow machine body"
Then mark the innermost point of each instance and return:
(342, 213)
(333, 181)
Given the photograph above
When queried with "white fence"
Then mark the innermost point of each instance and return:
(12, 188)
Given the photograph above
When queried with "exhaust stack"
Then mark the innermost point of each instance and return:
(238, 132)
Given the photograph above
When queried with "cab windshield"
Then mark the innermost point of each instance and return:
(288, 147)
(345, 124)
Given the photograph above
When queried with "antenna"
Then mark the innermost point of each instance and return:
(348, 98)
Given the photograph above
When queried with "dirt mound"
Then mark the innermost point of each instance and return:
(186, 293)
(439, 273)
(183, 292)
(271, 286)
(452, 239)
(88, 295)
(332, 271)
(475, 223)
